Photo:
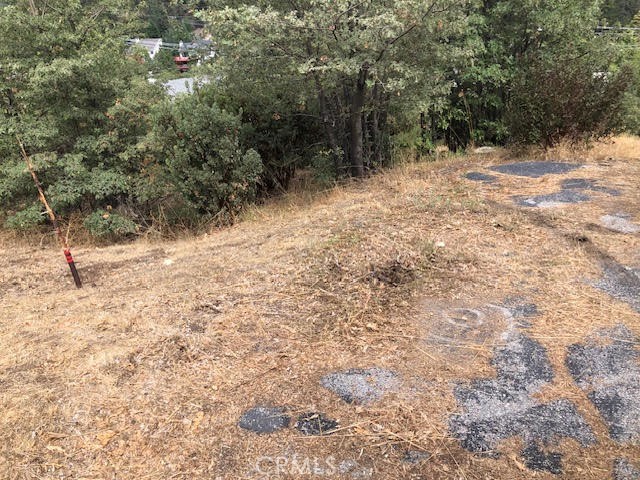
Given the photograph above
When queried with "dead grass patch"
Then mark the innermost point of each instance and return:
(145, 372)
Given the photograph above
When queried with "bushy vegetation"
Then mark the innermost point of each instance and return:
(563, 98)
(524, 44)
(333, 86)
(199, 144)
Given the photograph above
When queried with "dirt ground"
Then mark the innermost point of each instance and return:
(479, 307)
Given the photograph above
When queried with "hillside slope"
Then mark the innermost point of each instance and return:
(453, 328)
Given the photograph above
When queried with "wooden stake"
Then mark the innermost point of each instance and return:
(52, 215)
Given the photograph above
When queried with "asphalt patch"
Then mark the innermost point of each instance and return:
(361, 386)
(313, 423)
(619, 223)
(501, 408)
(522, 364)
(624, 470)
(480, 177)
(621, 282)
(610, 374)
(536, 459)
(587, 184)
(262, 419)
(521, 311)
(552, 199)
(535, 169)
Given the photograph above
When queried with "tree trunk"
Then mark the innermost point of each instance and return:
(356, 131)
(328, 119)
(378, 127)
(329, 126)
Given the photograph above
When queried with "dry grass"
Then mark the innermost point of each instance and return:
(144, 373)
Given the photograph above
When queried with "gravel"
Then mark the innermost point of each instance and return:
(610, 374)
(552, 199)
(500, 408)
(535, 169)
(313, 423)
(480, 177)
(619, 223)
(621, 282)
(361, 386)
(262, 419)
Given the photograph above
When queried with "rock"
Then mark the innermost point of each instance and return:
(354, 470)
(621, 282)
(521, 311)
(484, 150)
(536, 459)
(522, 364)
(313, 423)
(262, 419)
(587, 184)
(361, 386)
(624, 470)
(535, 169)
(452, 326)
(416, 456)
(525, 310)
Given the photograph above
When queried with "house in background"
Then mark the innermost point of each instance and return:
(152, 45)
(198, 51)
(201, 49)
(181, 86)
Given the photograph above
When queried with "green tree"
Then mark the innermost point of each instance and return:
(519, 36)
(64, 76)
(199, 144)
(156, 17)
(353, 61)
(620, 11)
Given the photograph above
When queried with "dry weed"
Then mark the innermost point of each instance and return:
(145, 372)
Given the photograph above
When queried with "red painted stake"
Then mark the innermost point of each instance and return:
(52, 216)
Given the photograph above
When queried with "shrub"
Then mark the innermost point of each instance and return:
(566, 97)
(198, 142)
(25, 219)
(323, 167)
(278, 123)
(109, 225)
